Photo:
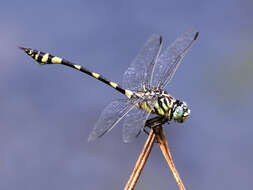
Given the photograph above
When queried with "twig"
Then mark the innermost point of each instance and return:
(156, 133)
(141, 161)
(167, 155)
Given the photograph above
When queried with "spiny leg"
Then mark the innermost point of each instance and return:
(153, 123)
(157, 120)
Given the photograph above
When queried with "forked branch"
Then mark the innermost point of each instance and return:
(156, 133)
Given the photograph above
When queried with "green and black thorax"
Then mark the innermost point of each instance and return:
(163, 105)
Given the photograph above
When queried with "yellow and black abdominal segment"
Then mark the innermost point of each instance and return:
(46, 58)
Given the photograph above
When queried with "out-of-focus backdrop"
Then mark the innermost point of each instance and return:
(47, 112)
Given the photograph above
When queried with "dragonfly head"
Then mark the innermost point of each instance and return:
(181, 112)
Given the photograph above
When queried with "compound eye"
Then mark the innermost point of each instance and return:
(178, 113)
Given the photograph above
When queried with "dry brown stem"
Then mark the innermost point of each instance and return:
(158, 134)
(167, 155)
(141, 161)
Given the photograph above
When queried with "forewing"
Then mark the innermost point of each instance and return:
(110, 116)
(170, 59)
(139, 73)
(135, 121)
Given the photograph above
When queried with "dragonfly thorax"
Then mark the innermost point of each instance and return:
(157, 102)
(161, 103)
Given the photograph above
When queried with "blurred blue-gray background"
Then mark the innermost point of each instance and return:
(47, 112)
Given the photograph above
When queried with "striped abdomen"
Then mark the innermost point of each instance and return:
(46, 58)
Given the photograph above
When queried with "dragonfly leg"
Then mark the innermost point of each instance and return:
(153, 122)
(138, 133)
(145, 130)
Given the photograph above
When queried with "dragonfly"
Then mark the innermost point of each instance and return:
(143, 86)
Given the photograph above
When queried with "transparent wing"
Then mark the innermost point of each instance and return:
(110, 116)
(170, 59)
(139, 73)
(134, 122)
